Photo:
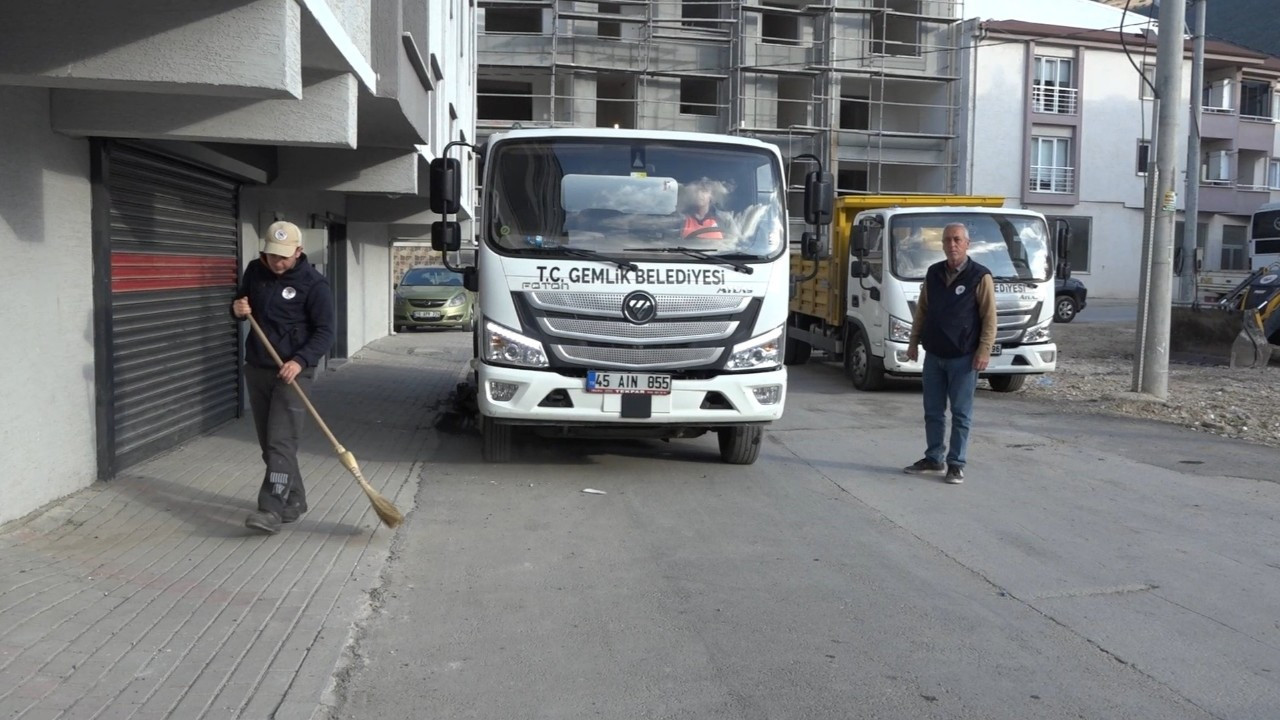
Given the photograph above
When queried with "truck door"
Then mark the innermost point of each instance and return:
(865, 281)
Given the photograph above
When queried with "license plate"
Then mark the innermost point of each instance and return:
(620, 382)
(996, 349)
(426, 314)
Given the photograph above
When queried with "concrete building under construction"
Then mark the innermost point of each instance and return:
(869, 86)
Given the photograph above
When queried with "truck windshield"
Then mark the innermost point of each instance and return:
(615, 195)
(1013, 247)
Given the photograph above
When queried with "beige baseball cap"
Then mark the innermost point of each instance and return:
(282, 238)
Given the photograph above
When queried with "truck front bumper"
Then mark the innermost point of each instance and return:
(1020, 360)
(546, 397)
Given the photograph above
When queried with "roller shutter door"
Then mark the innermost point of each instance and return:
(174, 348)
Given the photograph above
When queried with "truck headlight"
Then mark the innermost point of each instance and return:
(506, 346)
(899, 330)
(1038, 333)
(456, 300)
(761, 351)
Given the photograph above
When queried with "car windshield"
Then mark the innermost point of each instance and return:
(1013, 247)
(622, 195)
(436, 276)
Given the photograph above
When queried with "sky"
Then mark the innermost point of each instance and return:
(1068, 13)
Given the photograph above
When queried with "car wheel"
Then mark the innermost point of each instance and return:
(740, 445)
(495, 440)
(864, 369)
(1007, 383)
(1065, 308)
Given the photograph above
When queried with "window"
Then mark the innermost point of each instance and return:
(855, 113)
(609, 28)
(1051, 169)
(1144, 156)
(1217, 96)
(1255, 99)
(893, 33)
(504, 100)
(700, 14)
(1053, 87)
(1234, 240)
(779, 28)
(1147, 82)
(851, 181)
(698, 96)
(1217, 168)
(1081, 239)
(526, 21)
(1273, 174)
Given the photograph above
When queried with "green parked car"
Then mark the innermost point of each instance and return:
(433, 297)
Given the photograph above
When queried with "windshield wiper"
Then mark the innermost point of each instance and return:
(698, 253)
(582, 253)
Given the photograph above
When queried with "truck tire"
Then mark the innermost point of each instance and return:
(797, 351)
(495, 439)
(1007, 383)
(740, 445)
(864, 369)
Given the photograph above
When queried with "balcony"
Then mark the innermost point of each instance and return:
(1050, 179)
(1051, 100)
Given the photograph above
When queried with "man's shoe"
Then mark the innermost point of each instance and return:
(922, 466)
(264, 520)
(955, 474)
(292, 511)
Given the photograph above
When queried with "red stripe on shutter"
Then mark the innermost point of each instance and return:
(133, 272)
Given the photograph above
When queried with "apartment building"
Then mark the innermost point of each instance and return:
(1059, 119)
(868, 86)
(144, 145)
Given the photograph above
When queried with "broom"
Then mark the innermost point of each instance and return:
(387, 512)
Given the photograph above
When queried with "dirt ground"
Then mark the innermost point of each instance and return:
(1095, 371)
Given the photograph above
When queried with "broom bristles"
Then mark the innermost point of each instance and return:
(387, 512)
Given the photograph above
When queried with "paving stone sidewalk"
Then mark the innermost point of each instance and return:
(146, 597)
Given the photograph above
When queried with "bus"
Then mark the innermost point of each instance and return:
(1264, 236)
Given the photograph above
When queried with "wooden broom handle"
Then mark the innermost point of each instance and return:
(262, 337)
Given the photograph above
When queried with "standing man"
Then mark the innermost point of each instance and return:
(292, 302)
(955, 320)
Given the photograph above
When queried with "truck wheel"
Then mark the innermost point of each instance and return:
(797, 351)
(864, 369)
(740, 445)
(1007, 383)
(495, 440)
(1064, 309)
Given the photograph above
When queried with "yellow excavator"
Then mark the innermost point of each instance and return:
(1257, 299)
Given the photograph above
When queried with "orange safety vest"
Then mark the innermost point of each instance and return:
(692, 223)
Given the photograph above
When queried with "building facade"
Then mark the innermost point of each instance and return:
(1059, 119)
(868, 86)
(143, 147)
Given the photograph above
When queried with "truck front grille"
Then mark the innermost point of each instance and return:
(624, 333)
(636, 358)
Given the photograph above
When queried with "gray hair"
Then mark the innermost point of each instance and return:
(960, 225)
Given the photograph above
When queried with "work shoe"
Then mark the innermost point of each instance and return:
(293, 510)
(955, 474)
(922, 466)
(264, 520)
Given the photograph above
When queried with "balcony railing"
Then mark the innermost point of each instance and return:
(1055, 100)
(1050, 179)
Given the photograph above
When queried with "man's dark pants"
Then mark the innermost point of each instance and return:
(278, 415)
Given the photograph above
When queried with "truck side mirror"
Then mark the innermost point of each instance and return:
(470, 279)
(859, 269)
(446, 236)
(812, 247)
(817, 198)
(446, 186)
(858, 244)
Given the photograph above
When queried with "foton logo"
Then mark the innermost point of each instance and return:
(639, 307)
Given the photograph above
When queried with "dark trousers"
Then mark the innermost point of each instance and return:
(278, 415)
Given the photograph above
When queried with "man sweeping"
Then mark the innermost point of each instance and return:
(293, 304)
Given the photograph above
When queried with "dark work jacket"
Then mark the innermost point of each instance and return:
(295, 310)
(952, 324)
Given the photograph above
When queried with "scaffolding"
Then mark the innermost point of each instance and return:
(869, 86)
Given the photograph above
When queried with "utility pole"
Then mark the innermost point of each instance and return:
(1151, 369)
(1191, 226)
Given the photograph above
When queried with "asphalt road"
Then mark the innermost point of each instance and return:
(1088, 568)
